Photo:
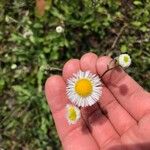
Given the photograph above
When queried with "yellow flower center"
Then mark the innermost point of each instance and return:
(126, 59)
(83, 87)
(72, 114)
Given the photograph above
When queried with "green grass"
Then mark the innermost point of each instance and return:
(104, 27)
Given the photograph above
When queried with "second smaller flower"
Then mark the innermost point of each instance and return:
(72, 114)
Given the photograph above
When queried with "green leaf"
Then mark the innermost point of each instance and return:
(20, 90)
(144, 29)
(123, 48)
(48, 4)
(2, 84)
(136, 23)
(32, 39)
(57, 14)
(137, 3)
(40, 77)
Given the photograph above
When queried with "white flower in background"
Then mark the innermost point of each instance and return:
(124, 60)
(59, 29)
(72, 114)
(13, 66)
(84, 89)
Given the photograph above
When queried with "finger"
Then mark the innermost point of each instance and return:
(99, 125)
(88, 62)
(71, 67)
(71, 136)
(118, 116)
(128, 92)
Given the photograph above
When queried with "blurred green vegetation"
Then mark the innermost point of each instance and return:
(31, 50)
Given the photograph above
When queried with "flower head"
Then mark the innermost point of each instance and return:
(72, 114)
(124, 60)
(84, 88)
(59, 29)
(13, 66)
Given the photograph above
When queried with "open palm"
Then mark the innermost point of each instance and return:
(121, 119)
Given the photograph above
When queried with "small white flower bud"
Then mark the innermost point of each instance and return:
(13, 66)
(59, 29)
(124, 60)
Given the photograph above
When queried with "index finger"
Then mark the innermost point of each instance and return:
(71, 136)
(126, 90)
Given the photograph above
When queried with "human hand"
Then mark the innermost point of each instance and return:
(120, 120)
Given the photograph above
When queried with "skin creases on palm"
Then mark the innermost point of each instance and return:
(121, 118)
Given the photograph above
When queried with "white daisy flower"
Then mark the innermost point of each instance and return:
(84, 89)
(124, 60)
(72, 114)
(13, 66)
(59, 29)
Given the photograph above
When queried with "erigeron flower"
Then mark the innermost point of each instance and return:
(59, 29)
(13, 66)
(124, 60)
(72, 114)
(84, 89)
